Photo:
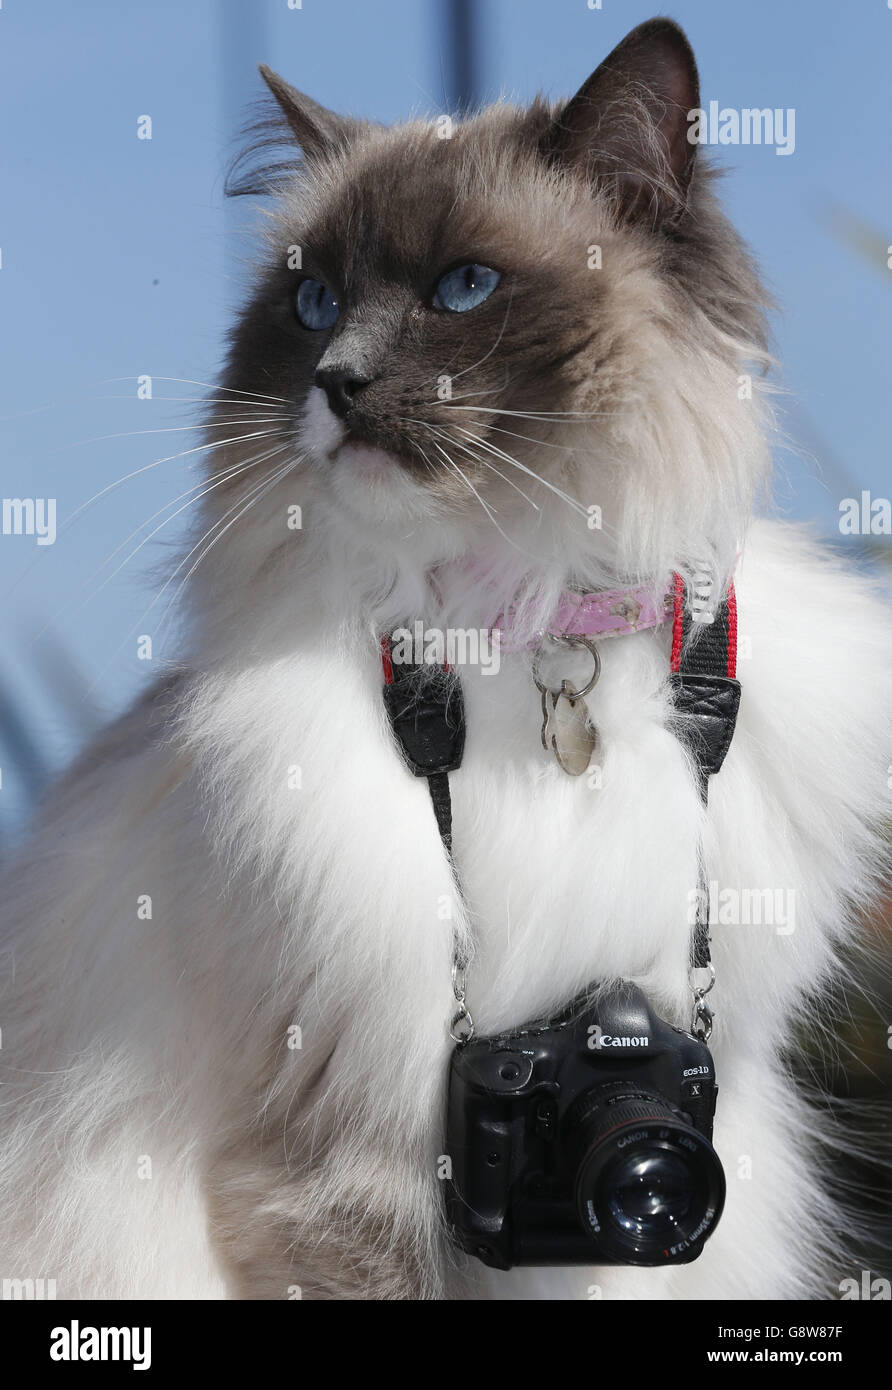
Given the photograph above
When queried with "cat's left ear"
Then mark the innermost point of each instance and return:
(317, 130)
(627, 127)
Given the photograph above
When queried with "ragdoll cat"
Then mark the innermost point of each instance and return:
(486, 365)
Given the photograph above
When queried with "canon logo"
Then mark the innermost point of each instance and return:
(597, 1039)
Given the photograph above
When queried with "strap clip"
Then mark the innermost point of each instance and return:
(426, 710)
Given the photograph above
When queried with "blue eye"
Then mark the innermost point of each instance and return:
(465, 287)
(316, 305)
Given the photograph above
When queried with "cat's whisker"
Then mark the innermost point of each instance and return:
(159, 527)
(487, 391)
(484, 463)
(84, 506)
(474, 365)
(407, 420)
(194, 400)
(430, 467)
(254, 496)
(141, 620)
(251, 495)
(208, 385)
(465, 395)
(456, 471)
(444, 434)
(508, 458)
(170, 458)
(555, 415)
(571, 502)
(454, 468)
(184, 429)
(231, 472)
(135, 473)
(530, 439)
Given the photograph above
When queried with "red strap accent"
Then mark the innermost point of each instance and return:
(732, 631)
(386, 661)
(677, 616)
(678, 627)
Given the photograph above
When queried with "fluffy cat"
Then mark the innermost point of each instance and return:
(243, 864)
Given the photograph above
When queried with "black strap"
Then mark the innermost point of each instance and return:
(705, 691)
(438, 784)
(706, 695)
(426, 710)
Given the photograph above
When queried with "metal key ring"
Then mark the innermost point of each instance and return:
(568, 640)
(700, 991)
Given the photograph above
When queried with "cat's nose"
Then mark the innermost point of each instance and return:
(340, 385)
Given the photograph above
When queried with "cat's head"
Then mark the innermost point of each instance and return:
(531, 325)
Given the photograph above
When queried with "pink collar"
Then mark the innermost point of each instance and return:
(606, 613)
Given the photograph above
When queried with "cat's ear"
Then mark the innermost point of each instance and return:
(627, 127)
(317, 130)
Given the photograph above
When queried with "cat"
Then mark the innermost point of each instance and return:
(485, 363)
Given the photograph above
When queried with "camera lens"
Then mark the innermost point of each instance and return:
(649, 1187)
(650, 1194)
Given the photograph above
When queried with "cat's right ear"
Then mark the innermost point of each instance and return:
(627, 128)
(317, 130)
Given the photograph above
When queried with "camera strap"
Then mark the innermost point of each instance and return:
(425, 707)
(706, 696)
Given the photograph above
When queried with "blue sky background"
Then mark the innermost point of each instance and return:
(120, 258)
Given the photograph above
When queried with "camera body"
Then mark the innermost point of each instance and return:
(584, 1139)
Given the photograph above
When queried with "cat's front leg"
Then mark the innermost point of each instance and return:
(331, 1001)
(325, 1184)
(346, 1211)
(355, 1221)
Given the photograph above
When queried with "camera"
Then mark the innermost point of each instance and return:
(584, 1139)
